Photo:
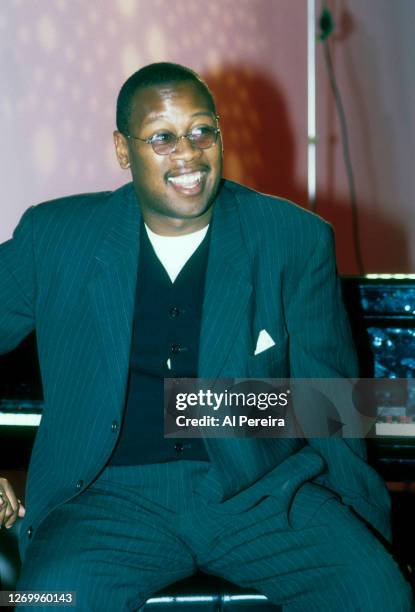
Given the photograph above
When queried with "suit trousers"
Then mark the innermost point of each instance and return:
(137, 529)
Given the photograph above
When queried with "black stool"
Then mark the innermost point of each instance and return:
(208, 594)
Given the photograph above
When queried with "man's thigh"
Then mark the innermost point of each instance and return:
(317, 558)
(112, 551)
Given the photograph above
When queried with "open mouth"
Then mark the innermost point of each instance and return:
(189, 183)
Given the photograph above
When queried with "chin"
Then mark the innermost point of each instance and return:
(188, 210)
(188, 214)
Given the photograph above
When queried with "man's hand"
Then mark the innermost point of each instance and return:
(10, 506)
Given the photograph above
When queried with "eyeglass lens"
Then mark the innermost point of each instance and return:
(201, 138)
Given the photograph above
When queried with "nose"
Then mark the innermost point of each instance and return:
(184, 149)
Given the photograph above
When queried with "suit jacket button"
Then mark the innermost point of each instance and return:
(114, 426)
(79, 485)
(29, 532)
(178, 447)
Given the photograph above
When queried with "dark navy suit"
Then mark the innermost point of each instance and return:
(70, 272)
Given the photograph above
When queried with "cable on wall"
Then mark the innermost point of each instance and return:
(327, 26)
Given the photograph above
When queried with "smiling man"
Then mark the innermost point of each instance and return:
(176, 178)
(182, 274)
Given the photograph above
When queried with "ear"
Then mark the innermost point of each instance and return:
(221, 142)
(121, 150)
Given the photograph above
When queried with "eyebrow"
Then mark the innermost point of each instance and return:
(154, 118)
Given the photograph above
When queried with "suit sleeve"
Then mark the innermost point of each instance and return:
(321, 343)
(17, 285)
(321, 346)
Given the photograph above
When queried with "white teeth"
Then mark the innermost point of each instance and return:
(186, 180)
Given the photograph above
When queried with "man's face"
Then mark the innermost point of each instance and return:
(175, 191)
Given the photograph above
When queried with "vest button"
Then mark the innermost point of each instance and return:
(79, 485)
(178, 447)
(114, 426)
(175, 349)
(174, 312)
(29, 532)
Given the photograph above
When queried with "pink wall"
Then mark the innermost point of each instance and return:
(373, 50)
(63, 61)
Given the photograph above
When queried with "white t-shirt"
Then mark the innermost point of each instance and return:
(174, 251)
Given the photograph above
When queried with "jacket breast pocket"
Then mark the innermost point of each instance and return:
(271, 363)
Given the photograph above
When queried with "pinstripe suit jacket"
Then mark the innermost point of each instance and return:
(70, 272)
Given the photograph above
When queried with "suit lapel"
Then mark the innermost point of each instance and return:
(228, 287)
(112, 289)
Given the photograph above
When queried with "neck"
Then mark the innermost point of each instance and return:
(172, 226)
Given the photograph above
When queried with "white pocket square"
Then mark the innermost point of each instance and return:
(264, 342)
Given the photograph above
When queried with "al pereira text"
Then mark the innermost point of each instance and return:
(229, 421)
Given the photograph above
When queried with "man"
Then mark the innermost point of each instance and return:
(176, 274)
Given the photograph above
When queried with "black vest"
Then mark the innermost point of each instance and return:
(167, 320)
